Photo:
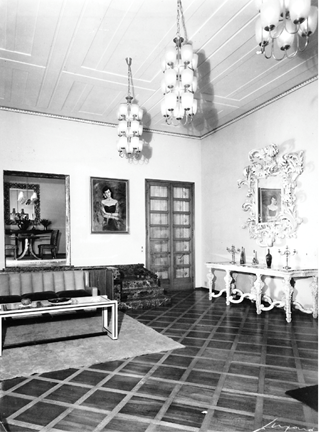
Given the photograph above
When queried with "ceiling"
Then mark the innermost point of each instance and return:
(66, 58)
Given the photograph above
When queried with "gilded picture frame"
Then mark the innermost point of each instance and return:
(109, 206)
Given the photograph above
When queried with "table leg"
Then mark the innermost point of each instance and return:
(0, 336)
(25, 243)
(111, 328)
(288, 295)
(32, 251)
(258, 284)
(228, 279)
(210, 285)
(314, 290)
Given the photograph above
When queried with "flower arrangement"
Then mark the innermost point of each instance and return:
(45, 223)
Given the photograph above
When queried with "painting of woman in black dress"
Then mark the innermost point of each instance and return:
(109, 205)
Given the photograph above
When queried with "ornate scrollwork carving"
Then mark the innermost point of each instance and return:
(265, 166)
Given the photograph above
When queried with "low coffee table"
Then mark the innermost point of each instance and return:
(109, 324)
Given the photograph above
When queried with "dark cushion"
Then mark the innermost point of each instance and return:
(73, 293)
(43, 295)
(10, 299)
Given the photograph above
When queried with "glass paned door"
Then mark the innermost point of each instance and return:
(170, 216)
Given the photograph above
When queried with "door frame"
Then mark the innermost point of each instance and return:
(171, 184)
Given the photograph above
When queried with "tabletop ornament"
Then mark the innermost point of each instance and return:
(255, 259)
(287, 253)
(268, 259)
(233, 252)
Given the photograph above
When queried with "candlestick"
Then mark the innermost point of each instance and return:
(287, 253)
(233, 252)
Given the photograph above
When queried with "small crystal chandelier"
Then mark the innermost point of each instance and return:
(180, 82)
(130, 127)
(288, 22)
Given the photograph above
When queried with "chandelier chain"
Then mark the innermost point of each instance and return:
(180, 17)
(178, 29)
(129, 79)
(183, 20)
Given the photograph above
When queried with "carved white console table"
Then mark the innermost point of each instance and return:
(232, 293)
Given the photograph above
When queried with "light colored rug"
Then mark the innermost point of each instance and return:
(135, 339)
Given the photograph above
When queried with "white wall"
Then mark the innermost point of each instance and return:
(48, 145)
(290, 123)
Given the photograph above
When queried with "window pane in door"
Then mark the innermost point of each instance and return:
(182, 246)
(160, 260)
(181, 219)
(181, 206)
(157, 232)
(180, 192)
(182, 233)
(159, 246)
(159, 218)
(158, 205)
(182, 272)
(158, 191)
(162, 274)
(181, 259)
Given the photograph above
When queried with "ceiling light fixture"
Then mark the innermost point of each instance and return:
(287, 22)
(130, 127)
(180, 82)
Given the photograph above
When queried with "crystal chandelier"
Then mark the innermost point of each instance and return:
(180, 82)
(286, 22)
(130, 127)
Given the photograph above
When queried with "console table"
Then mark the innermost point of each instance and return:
(256, 290)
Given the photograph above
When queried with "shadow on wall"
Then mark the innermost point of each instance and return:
(206, 118)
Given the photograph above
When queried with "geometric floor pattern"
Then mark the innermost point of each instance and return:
(231, 376)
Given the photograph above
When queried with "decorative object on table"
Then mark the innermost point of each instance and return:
(287, 253)
(130, 126)
(180, 82)
(45, 223)
(283, 28)
(233, 252)
(268, 259)
(242, 259)
(109, 206)
(271, 198)
(26, 301)
(255, 259)
(23, 224)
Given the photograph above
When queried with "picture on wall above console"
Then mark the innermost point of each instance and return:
(269, 204)
(109, 206)
(271, 199)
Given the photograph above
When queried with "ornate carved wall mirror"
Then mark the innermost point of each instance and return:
(36, 215)
(271, 200)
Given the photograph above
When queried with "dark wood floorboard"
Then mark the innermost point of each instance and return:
(231, 376)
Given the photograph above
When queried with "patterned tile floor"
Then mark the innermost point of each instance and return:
(231, 376)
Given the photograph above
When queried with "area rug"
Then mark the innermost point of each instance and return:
(307, 395)
(75, 343)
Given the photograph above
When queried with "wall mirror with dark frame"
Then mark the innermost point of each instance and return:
(37, 217)
(271, 198)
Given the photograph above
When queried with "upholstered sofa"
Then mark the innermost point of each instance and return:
(43, 285)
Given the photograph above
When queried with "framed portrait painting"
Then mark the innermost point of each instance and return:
(269, 204)
(109, 206)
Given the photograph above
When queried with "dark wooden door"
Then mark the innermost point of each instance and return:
(169, 232)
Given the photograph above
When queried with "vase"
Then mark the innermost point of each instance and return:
(268, 259)
(242, 256)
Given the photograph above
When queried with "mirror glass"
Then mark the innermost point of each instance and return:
(36, 214)
(22, 201)
(271, 199)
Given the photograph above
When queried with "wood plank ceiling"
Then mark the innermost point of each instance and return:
(67, 58)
